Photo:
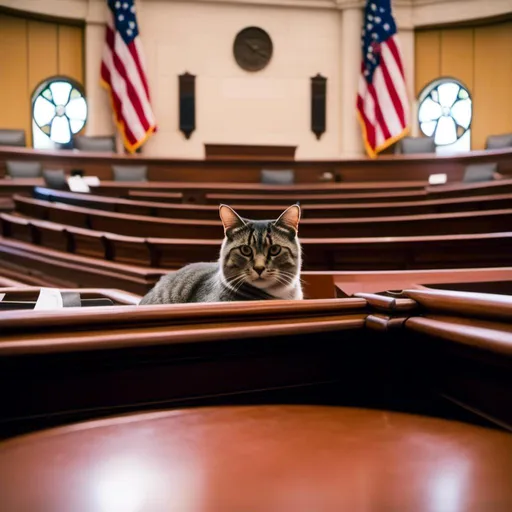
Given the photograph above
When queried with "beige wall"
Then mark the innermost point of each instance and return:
(481, 58)
(31, 51)
(234, 106)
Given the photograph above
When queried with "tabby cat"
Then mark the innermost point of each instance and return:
(259, 259)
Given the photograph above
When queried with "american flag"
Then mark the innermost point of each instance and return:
(382, 102)
(123, 74)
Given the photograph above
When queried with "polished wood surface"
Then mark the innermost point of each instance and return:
(241, 193)
(152, 207)
(387, 343)
(290, 458)
(386, 168)
(21, 292)
(385, 253)
(492, 221)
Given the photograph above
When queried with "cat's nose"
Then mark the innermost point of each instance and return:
(259, 270)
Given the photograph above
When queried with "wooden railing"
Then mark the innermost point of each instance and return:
(424, 350)
(386, 168)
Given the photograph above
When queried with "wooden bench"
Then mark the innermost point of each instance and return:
(211, 212)
(328, 193)
(378, 253)
(492, 221)
(49, 267)
(87, 265)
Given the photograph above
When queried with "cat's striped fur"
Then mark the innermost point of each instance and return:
(259, 259)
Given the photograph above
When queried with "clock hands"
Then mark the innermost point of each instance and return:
(255, 49)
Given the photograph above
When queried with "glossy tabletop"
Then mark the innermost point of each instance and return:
(275, 458)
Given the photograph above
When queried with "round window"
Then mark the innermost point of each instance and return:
(59, 111)
(445, 111)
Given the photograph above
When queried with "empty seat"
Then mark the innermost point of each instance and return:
(499, 141)
(480, 172)
(100, 144)
(130, 172)
(55, 179)
(415, 145)
(20, 169)
(12, 138)
(277, 177)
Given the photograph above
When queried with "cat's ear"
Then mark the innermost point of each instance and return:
(230, 219)
(290, 217)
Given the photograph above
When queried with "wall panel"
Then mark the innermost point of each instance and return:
(14, 103)
(42, 52)
(457, 55)
(493, 81)
(71, 54)
(427, 58)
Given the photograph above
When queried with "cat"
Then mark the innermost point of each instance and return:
(259, 260)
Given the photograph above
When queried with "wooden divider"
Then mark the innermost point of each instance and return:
(492, 221)
(273, 195)
(426, 351)
(386, 168)
(379, 253)
(311, 211)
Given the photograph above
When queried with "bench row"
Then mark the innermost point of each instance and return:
(154, 208)
(492, 221)
(199, 193)
(42, 266)
(382, 253)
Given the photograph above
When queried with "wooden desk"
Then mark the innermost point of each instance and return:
(385, 168)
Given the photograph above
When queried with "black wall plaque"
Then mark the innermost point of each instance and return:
(187, 92)
(318, 104)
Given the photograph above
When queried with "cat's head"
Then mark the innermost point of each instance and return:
(263, 253)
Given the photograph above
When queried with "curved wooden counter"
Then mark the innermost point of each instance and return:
(385, 168)
(274, 458)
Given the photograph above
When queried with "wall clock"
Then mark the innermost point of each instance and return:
(252, 48)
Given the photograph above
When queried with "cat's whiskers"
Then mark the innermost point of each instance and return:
(290, 276)
(237, 282)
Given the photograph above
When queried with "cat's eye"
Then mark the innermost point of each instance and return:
(274, 250)
(246, 250)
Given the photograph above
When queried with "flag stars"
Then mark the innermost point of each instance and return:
(120, 17)
(381, 9)
(378, 19)
(373, 7)
(118, 5)
(125, 6)
(129, 31)
(370, 17)
(369, 26)
(386, 26)
(132, 24)
(132, 8)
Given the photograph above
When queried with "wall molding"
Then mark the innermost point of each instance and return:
(409, 13)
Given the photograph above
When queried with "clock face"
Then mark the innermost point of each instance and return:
(252, 48)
